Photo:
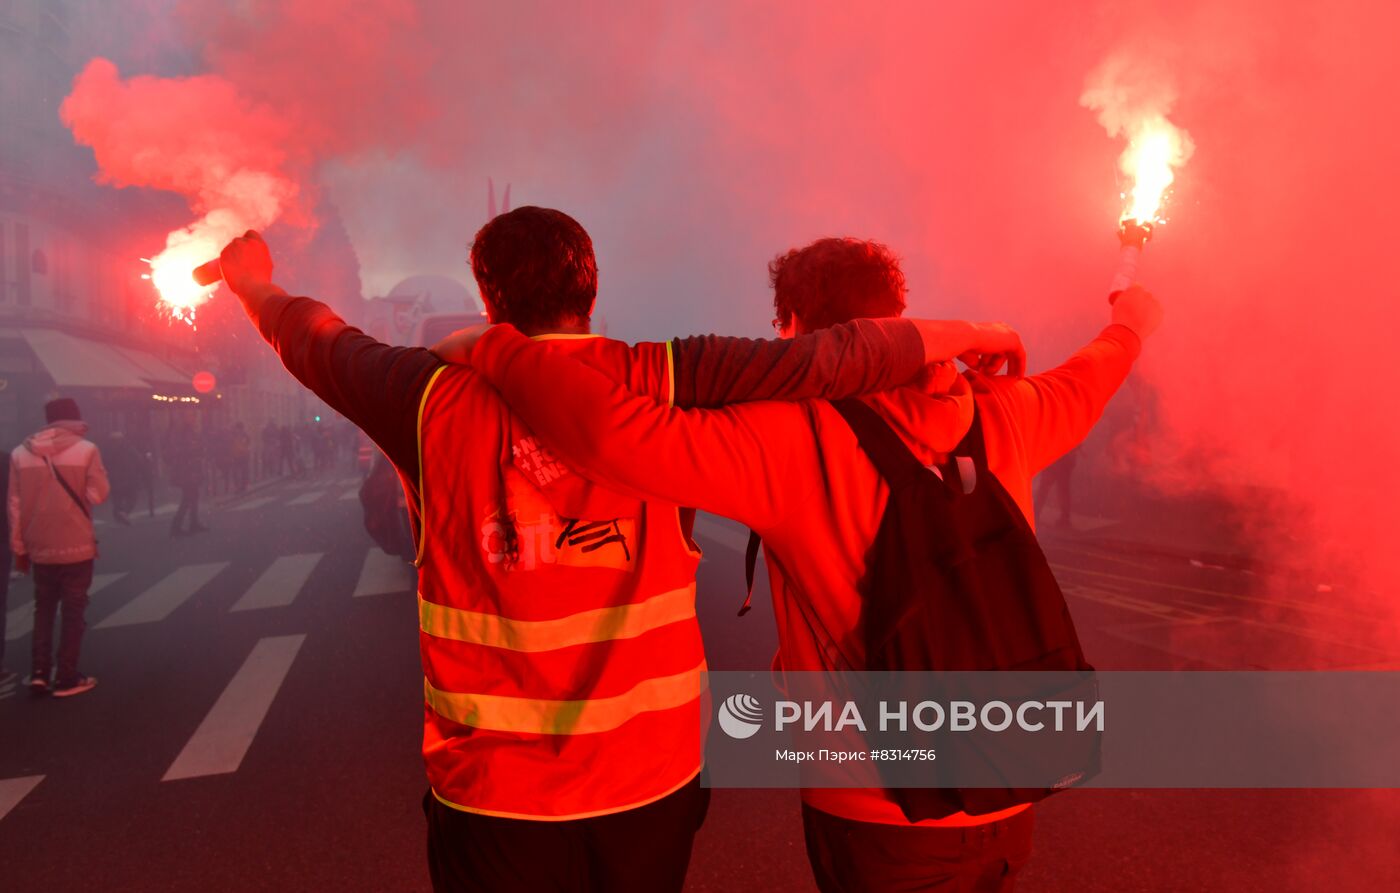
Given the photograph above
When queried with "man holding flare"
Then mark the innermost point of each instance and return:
(795, 473)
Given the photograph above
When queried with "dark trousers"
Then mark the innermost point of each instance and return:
(189, 507)
(58, 585)
(865, 857)
(647, 848)
(123, 500)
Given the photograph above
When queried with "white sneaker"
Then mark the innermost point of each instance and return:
(84, 683)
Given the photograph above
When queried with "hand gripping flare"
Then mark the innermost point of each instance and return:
(1132, 235)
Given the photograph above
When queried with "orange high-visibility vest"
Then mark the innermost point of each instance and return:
(565, 681)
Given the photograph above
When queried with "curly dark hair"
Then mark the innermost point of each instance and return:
(836, 280)
(535, 268)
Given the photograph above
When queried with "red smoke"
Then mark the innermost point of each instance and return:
(697, 142)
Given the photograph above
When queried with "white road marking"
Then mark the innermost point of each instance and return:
(20, 621)
(308, 498)
(157, 603)
(218, 746)
(383, 573)
(280, 583)
(13, 790)
(352, 493)
(253, 503)
(726, 533)
(166, 509)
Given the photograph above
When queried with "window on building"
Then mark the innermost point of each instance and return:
(39, 262)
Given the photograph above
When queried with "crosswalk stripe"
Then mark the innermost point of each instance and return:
(13, 790)
(166, 509)
(280, 583)
(254, 503)
(20, 621)
(219, 744)
(308, 498)
(160, 600)
(352, 493)
(383, 573)
(722, 532)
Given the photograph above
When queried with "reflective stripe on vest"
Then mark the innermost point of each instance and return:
(541, 717)
(584, 628)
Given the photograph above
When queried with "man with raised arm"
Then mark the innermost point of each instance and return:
(562, 659)
(795, 474)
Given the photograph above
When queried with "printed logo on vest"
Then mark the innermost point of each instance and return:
(537, 463)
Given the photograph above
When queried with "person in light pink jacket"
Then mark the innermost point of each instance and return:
(56, 477)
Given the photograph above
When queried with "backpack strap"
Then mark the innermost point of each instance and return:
(82, 506)
(750, 565)
(974, 444)
(968, 460)
(890, 456)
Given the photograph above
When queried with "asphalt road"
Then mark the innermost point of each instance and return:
(257, 720)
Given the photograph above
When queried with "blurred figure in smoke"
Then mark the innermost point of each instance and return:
(384, 510)
(240, 455)
(286, 451)
(1057, 480)
(795, 475)
(124, 467)
(184, 462)
(269, 452)
(218, 451)
(56, 477)
(562, 753)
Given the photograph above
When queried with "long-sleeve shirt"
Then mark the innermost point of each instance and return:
(379, 387)
(795, 473)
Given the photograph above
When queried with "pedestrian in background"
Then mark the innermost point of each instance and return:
(184, 461)
(56, 477)
(270, 451)
(240, 454)
(1057, 480)
(286, 451)
(123, 463)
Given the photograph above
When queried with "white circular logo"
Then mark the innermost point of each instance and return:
(741, 716)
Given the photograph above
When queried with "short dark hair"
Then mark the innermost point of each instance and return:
(535, 268)
(836, 280)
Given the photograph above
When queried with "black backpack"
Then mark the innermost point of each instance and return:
(956, 581)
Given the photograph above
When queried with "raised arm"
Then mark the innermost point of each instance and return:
(374, 385)
(735, 461)
(1055, 410)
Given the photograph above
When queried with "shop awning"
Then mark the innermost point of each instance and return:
(77, 362)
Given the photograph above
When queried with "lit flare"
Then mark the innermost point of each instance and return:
(1155, 148)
